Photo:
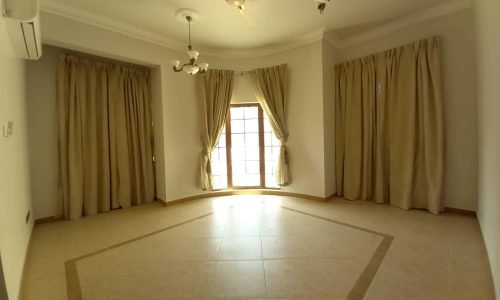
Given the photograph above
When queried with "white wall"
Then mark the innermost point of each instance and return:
(42, 131)
(488, 50)
(168, 101)
(459, 92)
(159, 137)
(329, 59)
(304, 113)
(180, 111)
(311, 102)
(242, 89)
(15, 198)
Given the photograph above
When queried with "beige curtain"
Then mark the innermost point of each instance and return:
(104, 136)
(389, 127)
(269, 85)
(216, 88)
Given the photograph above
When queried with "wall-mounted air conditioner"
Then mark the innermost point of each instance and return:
(22, 21)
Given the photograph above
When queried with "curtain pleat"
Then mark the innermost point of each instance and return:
(104, 130)
(389, 127)
(216, 89)
(269, 85)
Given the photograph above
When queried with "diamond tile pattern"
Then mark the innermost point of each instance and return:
(247, 250)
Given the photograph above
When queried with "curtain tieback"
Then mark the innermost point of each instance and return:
(285, 153)
(207, 160)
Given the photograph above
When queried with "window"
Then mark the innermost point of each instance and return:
(247, 152)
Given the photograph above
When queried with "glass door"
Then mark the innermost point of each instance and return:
(247, 151)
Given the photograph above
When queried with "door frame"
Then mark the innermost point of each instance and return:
(262, 158)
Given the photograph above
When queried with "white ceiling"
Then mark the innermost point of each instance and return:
(277, 21)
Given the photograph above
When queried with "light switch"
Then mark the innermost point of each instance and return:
(8, 129)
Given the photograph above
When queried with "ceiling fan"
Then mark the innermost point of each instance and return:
(240, 6)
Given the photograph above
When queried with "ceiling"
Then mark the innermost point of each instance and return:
(277, 21)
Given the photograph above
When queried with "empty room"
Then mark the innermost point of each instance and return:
(250, 149)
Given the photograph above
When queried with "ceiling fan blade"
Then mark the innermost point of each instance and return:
(246, 18)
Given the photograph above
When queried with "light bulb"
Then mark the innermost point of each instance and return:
(203, 66)
(191, 70)
(193, 54)
(175, 63)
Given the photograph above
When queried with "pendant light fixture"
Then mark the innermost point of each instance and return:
(192, 68)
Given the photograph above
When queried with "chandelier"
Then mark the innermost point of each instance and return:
(191, 67)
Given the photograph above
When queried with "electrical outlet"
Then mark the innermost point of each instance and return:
(28, 216)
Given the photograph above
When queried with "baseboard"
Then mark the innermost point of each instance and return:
(45, 220)
(159, 199)
(331, 197)
(458, 211)
(20, 292)
(245, 192)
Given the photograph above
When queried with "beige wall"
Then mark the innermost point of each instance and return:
(305, 113)
(304, 121)
(159, 147)
(180, 139)
(15, 198)
(488, 49)
(459, 90)
(329, 60)
(42, 131)
(41, 94)
(310, 115)
(242, 90)
(311, 107)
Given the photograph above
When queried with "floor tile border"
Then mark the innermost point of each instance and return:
(73, 288)
(358, 291)
(364, 281)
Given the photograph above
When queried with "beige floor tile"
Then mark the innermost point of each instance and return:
(431, 257)
(320, 246)
(240, 248)
(311, 277)
(243, 228)
(174, 280)
(208, 227)
(239, 279)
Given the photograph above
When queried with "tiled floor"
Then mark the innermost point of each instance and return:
(258, 247)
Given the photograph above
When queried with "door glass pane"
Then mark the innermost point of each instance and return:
(271, 152)
(251, 140)
(237, 126)
(237, 113)
(251, 112)
(245, 151)
(252, 125)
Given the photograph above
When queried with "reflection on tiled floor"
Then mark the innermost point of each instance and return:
(247, 250)
(257, 247)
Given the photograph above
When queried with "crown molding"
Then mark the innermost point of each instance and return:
(314, 36)
(95, 20)
(416, 18)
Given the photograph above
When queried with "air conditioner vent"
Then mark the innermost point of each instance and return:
(23, 25)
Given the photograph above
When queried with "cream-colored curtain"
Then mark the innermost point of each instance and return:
(389, 127)
(269, 85)
(216, 88)
(104, 136)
